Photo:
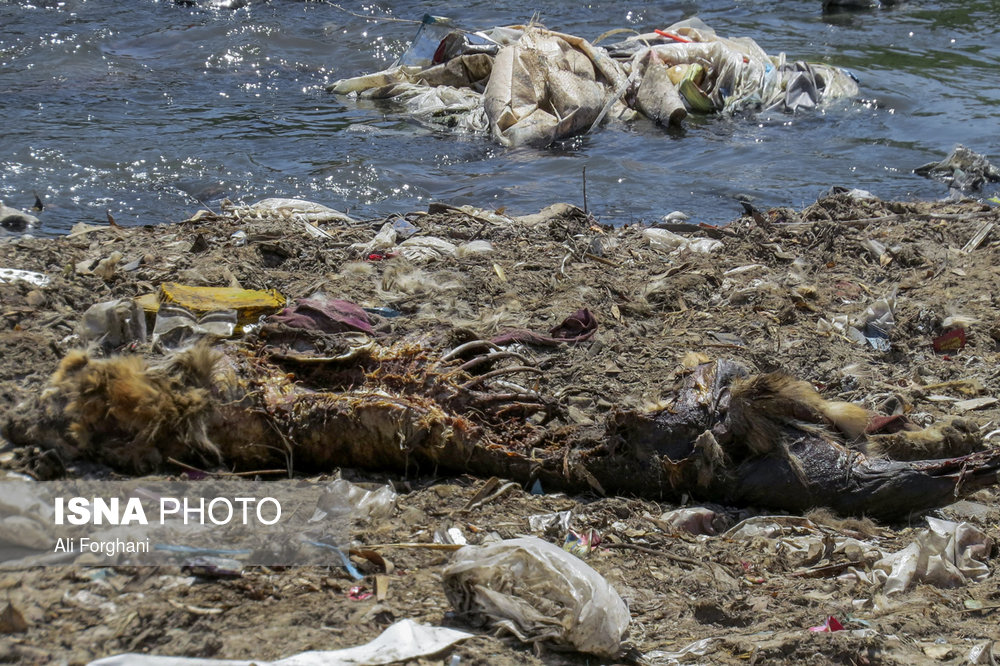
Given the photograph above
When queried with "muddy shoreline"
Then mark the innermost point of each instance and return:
(769, 297)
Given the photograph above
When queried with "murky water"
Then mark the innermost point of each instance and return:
(142, 108)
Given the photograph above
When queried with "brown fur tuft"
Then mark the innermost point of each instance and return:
(132, 416)
(760, 404)
(863, 527)
(950, 439)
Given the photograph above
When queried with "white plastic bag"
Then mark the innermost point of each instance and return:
(538, 592)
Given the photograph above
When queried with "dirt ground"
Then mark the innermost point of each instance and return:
(759, 299)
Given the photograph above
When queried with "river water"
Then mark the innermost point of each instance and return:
(142, 108)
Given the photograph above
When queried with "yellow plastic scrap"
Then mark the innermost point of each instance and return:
(249, 304)
(691, 91)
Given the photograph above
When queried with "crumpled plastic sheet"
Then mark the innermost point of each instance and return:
(421, 249)
(402, 641)
(800, 542)
(538, 592)
(543, 522)
(547, 86)
(176, 326)
(343, 501)
(31, 277)
(113, 324)
(945, 554)
(322, 313)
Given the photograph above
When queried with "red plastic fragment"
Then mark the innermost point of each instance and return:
(832, 624)
(953, 340)
(359, 593)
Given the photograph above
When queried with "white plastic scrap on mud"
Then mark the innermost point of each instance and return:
(538, 592)
(526, 85)
(945, 554)
(402, 641)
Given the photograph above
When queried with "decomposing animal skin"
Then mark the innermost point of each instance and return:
(724, 435)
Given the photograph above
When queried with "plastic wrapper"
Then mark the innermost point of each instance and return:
(538, 592)
(175, 326)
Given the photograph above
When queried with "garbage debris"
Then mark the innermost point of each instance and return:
(13, 275)
(419, 249)
(113, 324)
(945, 554)
(832, 624)
(543, 522)
(952, 341)
(552, 596)
(213, 567)
(873, 327)
(695, 520)
(323, 314)
(530, 86)
(343, 501)
(249, 304)
(402, 641)
(799, 542)
(963, 170)
(359, 593)
(578, 327)
(297, 209)
(581, 543)
(662, 239)
(401, 402)
(176, 326)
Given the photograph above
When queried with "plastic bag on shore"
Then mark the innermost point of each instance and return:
(538, 592)
(945, 554)
(694, 520)
(113, 324)
(176, 326)
(346, 501)
(298, 209)
(403, 641)
(799, 542)
(426, 248)
(668, 241)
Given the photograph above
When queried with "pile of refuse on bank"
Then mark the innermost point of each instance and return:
(526, 85)
(485, 364)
